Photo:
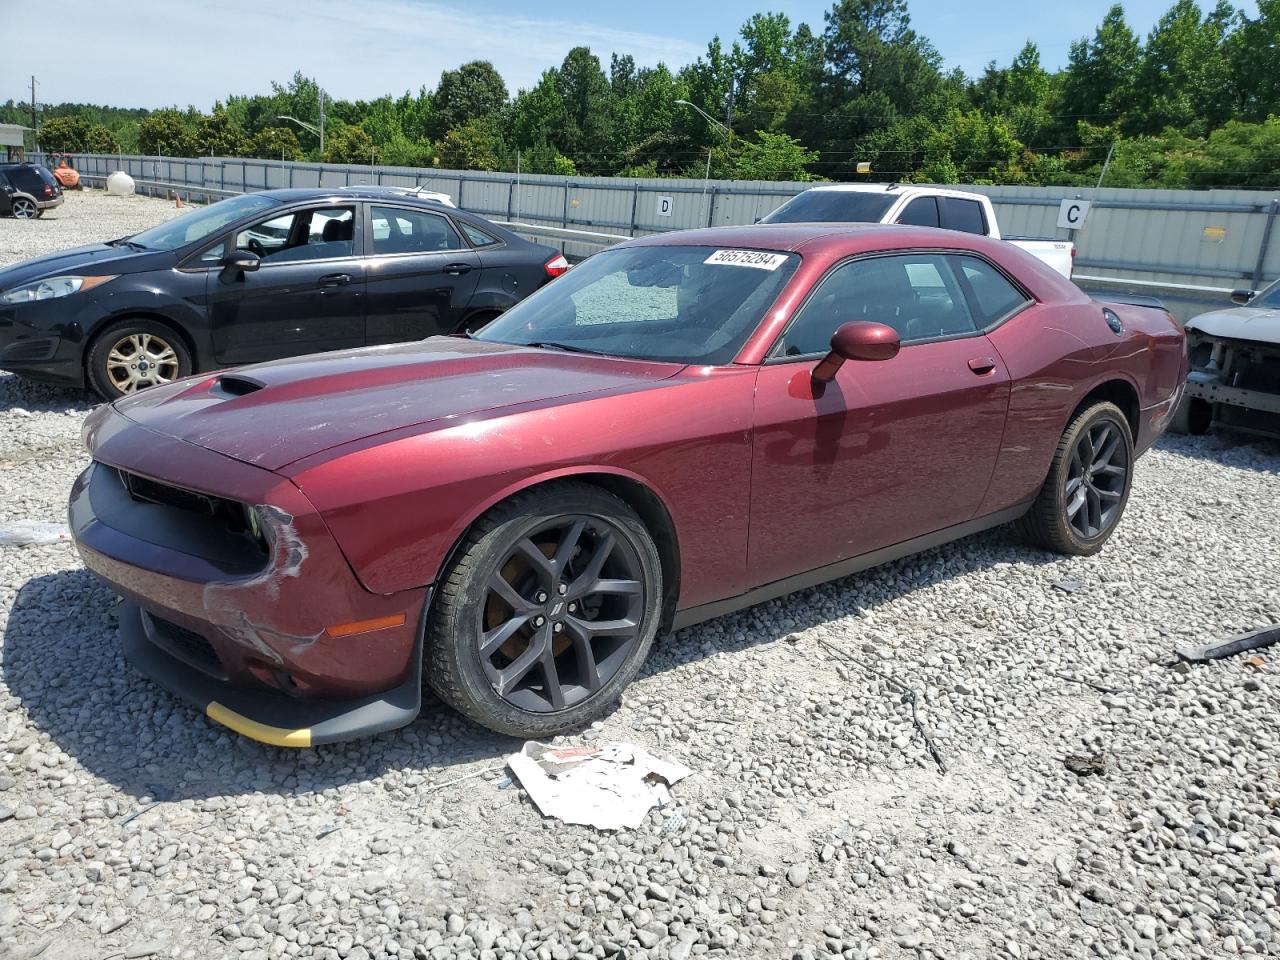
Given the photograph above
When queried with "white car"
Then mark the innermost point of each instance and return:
(422, 193)
(917, 206)
(1235, 366)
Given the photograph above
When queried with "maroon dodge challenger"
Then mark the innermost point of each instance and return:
(681, 426)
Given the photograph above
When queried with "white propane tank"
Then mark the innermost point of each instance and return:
(120, 184)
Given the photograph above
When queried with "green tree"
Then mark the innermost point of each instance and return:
(217, 136)
(473, 146)
(64, 135)
(585, 94)
(164, 133)
(770, 156)
(98, 139)
(276, 143)
(1253, 51)
(1185, 77)
(1101, 75)
(472, 92)
(347, 144)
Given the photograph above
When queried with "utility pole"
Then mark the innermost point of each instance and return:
(321, 92)
(35, 126)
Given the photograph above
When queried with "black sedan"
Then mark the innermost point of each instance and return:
(259, 277)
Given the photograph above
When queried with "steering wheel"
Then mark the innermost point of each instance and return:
(256, 247)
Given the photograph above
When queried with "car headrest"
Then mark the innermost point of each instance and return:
(336, 230)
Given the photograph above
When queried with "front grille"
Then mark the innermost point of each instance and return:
(230, 513)
(185, 645)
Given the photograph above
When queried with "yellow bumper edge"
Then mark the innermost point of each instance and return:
(262, 732)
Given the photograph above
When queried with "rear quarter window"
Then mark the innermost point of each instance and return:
(963, 215)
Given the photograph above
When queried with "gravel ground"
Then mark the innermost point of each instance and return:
(1098, 799)
(86, 216)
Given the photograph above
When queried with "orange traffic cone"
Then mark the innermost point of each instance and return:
(177, 200)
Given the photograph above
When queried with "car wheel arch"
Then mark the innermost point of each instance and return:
(1114, 389)
(632, 489)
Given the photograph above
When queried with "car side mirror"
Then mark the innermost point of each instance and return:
(857, 341)
(242, 261)
(1242, 297)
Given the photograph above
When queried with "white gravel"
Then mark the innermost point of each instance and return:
(815, 826)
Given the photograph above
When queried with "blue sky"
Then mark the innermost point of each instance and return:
(191, 51)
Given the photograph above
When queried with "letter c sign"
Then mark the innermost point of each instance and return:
(1071, 214)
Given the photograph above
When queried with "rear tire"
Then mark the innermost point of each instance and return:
(24, 208)
(546, 612)
(1088, 485)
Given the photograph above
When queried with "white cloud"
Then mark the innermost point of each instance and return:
(160, 53)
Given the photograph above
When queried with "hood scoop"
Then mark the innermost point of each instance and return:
(236, 385)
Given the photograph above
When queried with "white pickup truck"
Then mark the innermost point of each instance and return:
(918, 206)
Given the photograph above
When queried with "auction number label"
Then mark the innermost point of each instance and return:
(748, 258)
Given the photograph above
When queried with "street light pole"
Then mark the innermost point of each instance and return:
(311, 127)
(728, 134)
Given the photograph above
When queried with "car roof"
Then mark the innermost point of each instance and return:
(356, 192)
(900, 189)
(812, 237)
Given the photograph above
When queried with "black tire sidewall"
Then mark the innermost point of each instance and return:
(1090, 418)
(452, 626)
(95, 363)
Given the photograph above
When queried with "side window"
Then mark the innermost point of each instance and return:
(916, 294)
(963, 215)
(306, 235)
(398, 230)
(920, 212)
(477, 236)
(993, 294)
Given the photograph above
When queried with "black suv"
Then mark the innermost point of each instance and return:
(27, 190)
(258, 277)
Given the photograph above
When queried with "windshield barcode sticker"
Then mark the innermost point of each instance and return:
(748, 258)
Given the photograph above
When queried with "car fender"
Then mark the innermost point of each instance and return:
(486, 299)
(153, 303)
(580, 471)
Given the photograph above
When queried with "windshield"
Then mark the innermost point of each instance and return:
(677, 303)
(201, 223)
(1269, 298)
(833, 206)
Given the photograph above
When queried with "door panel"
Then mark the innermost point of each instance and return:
(421, 275)
(307, 296)
(887, 451)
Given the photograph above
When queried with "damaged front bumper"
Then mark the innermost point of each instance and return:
(268, 631)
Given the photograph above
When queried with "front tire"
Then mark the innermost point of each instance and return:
(546, 612)
(1088, 485)
(135, 354)
(1193, 417)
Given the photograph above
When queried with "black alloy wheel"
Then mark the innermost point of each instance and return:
(1097, 479)
(1087, 488)
(546, 612)
(561, 614)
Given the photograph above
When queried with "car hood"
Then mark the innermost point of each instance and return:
(94, 260)
(1260, 324)
(273, 414)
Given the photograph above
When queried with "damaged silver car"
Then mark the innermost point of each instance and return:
(1235, 367)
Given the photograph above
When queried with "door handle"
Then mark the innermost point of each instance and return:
(457, 269)
(982, 365)
(335, 280)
